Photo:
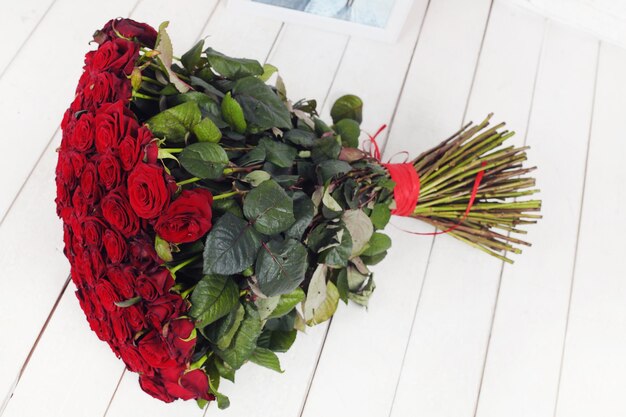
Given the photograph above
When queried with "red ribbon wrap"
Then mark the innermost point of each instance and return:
(407, 190)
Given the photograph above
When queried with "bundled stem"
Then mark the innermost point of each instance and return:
(447, 174)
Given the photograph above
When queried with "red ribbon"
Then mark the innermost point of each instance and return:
(407, 190)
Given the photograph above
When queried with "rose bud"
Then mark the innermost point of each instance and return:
(188, 218)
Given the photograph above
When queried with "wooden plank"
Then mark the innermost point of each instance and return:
(41, 82)
(522, 368)
(33, 217)
(18, 20)
(375, 72)
(241, 34)
(445, 354)
(71, 373)
(307, 59)
(31, 228)
(594, 366)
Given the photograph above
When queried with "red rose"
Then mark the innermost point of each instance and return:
(107, 295)
(113, 122)
(179, 338)
(188, 218)
(82, 134)
(130, 148)
(122, 279)
(115, 246)
(133, 360)
(147, 191)
(164, 309)
(91, 233)
(105, 87)
(153, 385)
(119, 55)
(142, 253)
(153, 285)
(186, 385)
(135, 317)
(89, 186)
(127, 28)
(109, 170)
(154, 350)
(120, 326)
(69, 166)
(197, 383)
(117, 211)
(79, 204)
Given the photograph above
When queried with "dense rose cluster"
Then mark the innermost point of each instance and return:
(111, 192)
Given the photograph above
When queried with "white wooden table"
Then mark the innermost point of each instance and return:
(450, 332)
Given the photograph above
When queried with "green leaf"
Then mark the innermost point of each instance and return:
(262, 108)
(191, 58)
(281, 340)
(231, 246)
(363, 295)
(233, 113)
(374, 259)
(255, 178)
(278, 153)
(129, 302)
(266, 306)
(207, 131)
(325, 148)
(229, 325)
(175, 123)
(208, 106)
(164, 47)
(360, 228)
(347, 107)
(204, 160)
(287, 302)
(339, 252)
(224, 369)
(380, 215)
(332, 167)
(213, 298)
(322, 298)
(266, 358)
(268, 71)
(269, 208)
(232, 68)
(329, 202)
(300, 137)
(303, 210)
(379, 243)
(342, 284)
(223, 401)
(255, 156)
(349, 130)
(244, 342)
(280, 266)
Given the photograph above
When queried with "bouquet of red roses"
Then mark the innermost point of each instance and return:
(207, 218)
